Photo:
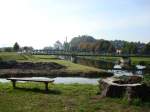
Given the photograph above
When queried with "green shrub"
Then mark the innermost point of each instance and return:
(146, 79)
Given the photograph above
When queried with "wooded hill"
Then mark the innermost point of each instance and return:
(89, 43)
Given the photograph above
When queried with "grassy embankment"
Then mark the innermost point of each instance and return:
(134, 60)
(62, 98)
(71, 68)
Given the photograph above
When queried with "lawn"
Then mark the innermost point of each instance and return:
(70, 68)
(61, 98)
(46, 58)
(15, 56)
(134, 60)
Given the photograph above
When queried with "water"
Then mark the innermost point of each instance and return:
(118, 66)
(140, 67)
(95, 63)
(112, 67)
(3, 80)
(64, 80)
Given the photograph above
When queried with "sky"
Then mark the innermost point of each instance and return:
(41, 23)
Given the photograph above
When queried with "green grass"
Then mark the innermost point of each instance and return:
(146, 79)
(134, 60)
(137, 60)
(15, 56)
(61, 98)
(71, 68)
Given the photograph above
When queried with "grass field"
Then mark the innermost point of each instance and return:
(31, 97)
(15, 56)
(71, 68)
(62, 98)
(134, 60)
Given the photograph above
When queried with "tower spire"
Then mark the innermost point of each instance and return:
(66, 39)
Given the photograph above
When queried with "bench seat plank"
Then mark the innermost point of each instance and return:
(30, 79)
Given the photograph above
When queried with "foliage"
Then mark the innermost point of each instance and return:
(58, 45)
(66, 46)
(8, 49)
(16, 47)
(27, 48)
(88, 43)
(76, 41)
(103, 46)
(146, 79)
(130, 48)
(146, 49)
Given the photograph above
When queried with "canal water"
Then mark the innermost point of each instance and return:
(107, 65)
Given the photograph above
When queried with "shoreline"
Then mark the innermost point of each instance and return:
(5, 73)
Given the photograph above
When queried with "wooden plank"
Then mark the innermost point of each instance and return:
(46, 81)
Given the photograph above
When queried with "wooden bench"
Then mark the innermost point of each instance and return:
(45, 81)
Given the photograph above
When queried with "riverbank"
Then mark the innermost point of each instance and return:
(30, 97)
(134, 60)
(70, 69)
(109, 62)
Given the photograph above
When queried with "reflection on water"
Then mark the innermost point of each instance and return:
(111, 67)
(140, 67)
(117, 66)
(121, 72)
(65, 80)
(96, 63)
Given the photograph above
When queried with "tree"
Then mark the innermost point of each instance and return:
(58, 45)
(111, 49)
(130, 48)
(125, 48)
(146, 49)
(102, 46)
(133, 48)
(16, 47)
(66, 46)
(76, 41)
(48, 48)
(27, 49)
(8, 49)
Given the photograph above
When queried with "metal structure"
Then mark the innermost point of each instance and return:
(80, 53)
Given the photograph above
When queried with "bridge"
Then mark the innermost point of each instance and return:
(80, 53)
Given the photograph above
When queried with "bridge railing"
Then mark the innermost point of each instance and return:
(81, 53)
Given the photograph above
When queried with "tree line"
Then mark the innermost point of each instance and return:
(87, 43)
(16, 48)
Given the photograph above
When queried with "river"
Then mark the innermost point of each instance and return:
(64, 80)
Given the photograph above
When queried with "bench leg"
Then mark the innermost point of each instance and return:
(14, 83)
(46, 86)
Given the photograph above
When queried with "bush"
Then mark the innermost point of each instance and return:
(146, 79)
(142, 63)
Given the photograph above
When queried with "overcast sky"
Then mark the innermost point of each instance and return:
(40, 23)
